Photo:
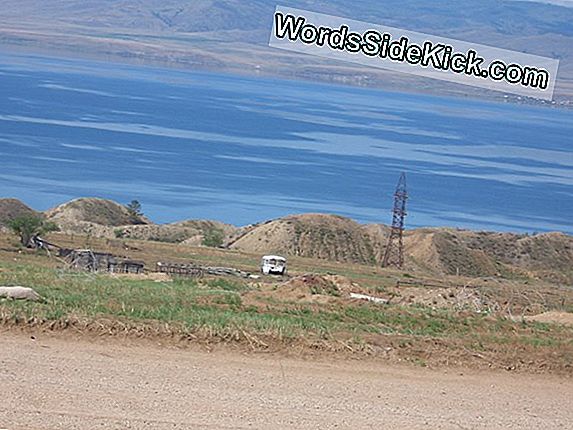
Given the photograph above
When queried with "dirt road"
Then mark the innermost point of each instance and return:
(59, 383)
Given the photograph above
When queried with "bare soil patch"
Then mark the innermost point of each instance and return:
(565, 318)
(60, 383)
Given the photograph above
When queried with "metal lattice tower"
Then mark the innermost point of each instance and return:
(394, 253)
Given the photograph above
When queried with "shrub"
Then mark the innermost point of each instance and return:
(28, 226)
(213, 238)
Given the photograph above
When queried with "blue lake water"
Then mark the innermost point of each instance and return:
(242, 150)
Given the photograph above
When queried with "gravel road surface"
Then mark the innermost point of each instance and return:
(74, 383)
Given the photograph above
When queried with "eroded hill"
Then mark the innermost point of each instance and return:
(329, 237)
(437, 251)
(13, 208)
(433, 250)
(93, 211)
(546, 256)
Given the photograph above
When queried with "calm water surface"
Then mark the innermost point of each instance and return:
(242, 150)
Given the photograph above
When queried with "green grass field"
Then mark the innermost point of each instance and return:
(231, 309)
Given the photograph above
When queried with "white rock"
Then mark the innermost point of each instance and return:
(19, 293)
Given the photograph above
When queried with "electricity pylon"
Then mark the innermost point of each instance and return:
(394, 253)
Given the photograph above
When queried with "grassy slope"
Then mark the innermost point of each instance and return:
(222, 309)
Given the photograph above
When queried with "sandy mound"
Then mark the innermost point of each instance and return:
(105, 218)
(564, 318)
(321, 236)
(378, 236)
(546, 256)
(13, 208)
(207, 225)
(192, 233)
(93, 211)
(159, 233)
(535, 252)
(315, 288)
(169, 233)
(436, 251)
(445, 298)
(206, 232)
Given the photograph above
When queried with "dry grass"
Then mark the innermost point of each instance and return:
(258, 315)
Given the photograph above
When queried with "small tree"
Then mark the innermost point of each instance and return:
(134, 209)
(213, 238)
(28, 226)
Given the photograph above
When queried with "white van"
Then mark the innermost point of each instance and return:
(273, 265)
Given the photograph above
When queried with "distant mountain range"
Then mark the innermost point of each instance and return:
(438, 251)
(232, 35)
